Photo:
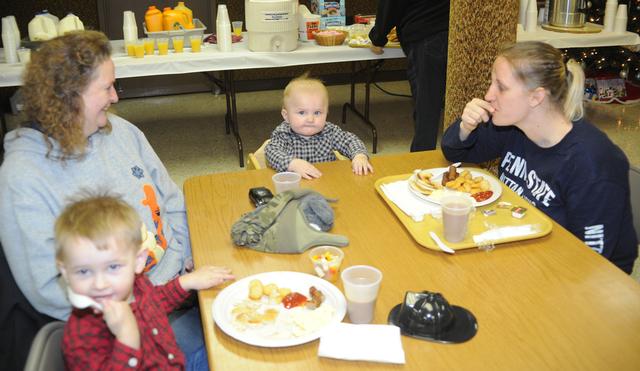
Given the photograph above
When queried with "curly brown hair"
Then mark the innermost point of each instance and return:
(59, 71)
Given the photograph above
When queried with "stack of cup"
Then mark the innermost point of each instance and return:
(223, 29)
(610, 15)
(620, 24)
(129, 30)
(531, 17)
(10, 39)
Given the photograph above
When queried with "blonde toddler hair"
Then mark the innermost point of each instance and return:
(304, 83)
(98, 218)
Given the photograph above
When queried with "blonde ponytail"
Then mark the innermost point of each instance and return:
(573, 108)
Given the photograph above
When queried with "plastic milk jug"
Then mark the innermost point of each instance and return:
(42, 28)
(69, 23)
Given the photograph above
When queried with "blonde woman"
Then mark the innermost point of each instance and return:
(532, 118)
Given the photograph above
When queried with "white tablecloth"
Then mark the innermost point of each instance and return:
(573, 40)
(307, 53)
(210, 59)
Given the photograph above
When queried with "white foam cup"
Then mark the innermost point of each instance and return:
(361, 285)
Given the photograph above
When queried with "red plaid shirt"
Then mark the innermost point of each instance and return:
(89, 345)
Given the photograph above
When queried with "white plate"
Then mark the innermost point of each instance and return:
(494, 185)
(298, 282)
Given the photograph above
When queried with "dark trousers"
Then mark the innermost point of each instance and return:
(427, 75)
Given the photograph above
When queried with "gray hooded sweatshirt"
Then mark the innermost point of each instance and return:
(35, 188)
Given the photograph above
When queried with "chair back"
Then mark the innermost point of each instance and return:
(634, 187)
(19, 320)
(46, 350)
(257, 159)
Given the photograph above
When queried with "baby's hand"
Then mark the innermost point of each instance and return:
(121, 322)
(205, 277)
(304, 168)
(360, 164)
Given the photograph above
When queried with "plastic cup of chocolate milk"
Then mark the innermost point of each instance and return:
(456, 208)
(361, 286)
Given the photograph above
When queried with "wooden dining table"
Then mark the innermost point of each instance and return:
(544, 303)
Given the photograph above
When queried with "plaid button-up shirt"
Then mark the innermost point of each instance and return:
(88, 344)
(285, 145)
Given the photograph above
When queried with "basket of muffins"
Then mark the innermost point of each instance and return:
(330, 37)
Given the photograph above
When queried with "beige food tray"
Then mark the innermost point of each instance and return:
(479, 223)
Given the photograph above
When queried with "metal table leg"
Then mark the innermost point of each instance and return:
(351, 105)
(231, 117)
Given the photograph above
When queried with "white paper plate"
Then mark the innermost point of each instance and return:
(298, 282)
(494, 185)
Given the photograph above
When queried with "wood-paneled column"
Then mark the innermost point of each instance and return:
(477, 29)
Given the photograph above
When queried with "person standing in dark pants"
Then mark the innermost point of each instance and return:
(423, 31)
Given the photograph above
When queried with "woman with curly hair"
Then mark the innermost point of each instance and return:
(71, 143)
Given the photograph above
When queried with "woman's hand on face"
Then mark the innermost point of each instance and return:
(474, 113)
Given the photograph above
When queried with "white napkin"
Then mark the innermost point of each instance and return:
(376, 343)
(500, 233)
(398, 192)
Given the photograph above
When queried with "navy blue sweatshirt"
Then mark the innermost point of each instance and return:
(414, 20)
(582, 182)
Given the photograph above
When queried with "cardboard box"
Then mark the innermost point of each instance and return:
(331, 21)
(328, 8)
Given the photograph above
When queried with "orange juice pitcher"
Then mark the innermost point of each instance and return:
(182, 8)
(174, 20)
(153, 19)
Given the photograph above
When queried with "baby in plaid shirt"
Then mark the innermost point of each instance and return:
(305, 137)
(100, 255)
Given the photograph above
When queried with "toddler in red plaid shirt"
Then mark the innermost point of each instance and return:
(124, 323)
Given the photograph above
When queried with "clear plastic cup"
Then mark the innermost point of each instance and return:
(131, 48)
(24, 55)
(237, 27)
(163, 46)
(286, 181)
(138, 49)
(149, 46)
(456, 208)
(196, 43)
(361, 285)
(326, 261)
(178, 44)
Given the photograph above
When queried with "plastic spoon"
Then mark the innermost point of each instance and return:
(441, 244)
(82, 301)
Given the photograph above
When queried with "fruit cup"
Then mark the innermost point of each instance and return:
(326, 261)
